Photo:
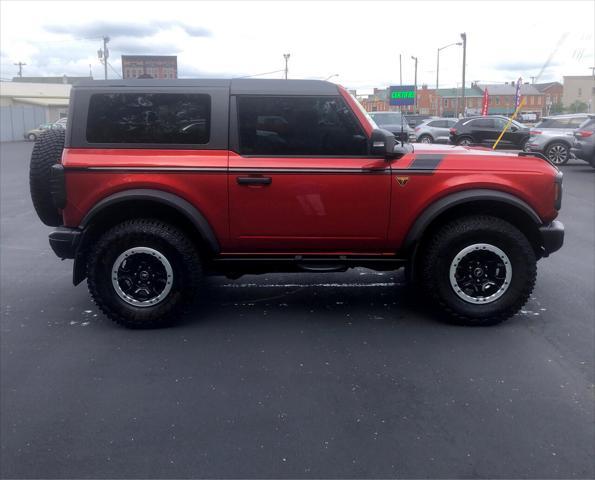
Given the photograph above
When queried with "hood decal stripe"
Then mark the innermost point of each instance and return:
(426, 161)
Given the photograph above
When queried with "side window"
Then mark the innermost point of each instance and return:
(499, 123)
(166, 118)
(483, 123)
(451, 123)
(434, 123)
(298, 126)
(576, 122)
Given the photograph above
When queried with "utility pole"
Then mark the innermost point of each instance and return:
(20, 65)
(104, 55)
(286, 57)
(415, 82)
(464, 37)
(532, 80)
(400, 71)
(438, 102)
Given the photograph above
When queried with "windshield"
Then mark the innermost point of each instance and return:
(388, 118)
(363, 110)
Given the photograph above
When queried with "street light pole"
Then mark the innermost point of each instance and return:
(464, 37)
(286, 57)
(415, 88)
(438, 103)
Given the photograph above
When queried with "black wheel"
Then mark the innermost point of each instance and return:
(142, 273)
(465, 141)
(32, 137)
(47, 151)
(426, 139)
(479, 269)
(558, 153)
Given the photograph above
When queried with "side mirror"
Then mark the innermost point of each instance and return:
(382, 143)
(513, 128)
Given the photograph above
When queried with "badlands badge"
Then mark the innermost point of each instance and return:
(402, 181)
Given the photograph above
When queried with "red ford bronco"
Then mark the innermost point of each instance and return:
(155, 184)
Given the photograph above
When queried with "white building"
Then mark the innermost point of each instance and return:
(24, 106)
(579, 88)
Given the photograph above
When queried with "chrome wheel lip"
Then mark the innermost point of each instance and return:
(151, 301)
(557, 154)
(473, 248)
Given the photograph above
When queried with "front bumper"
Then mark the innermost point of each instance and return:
(64, 241)
(552, 237)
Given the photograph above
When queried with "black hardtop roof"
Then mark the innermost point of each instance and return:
(245, 86)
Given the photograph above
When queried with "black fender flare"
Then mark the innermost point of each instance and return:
(454, 199)
(184, 207)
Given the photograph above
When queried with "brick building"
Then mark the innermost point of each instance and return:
(502, 98)
(447, 102)
(149, 66)
(553, 92)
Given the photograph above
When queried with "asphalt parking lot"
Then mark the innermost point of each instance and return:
(335, 375)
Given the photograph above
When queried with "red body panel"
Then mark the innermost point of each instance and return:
(528, 178)
(312, 205)
(312, 210)
(207, 191)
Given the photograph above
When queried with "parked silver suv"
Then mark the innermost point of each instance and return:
(553, 136)
(434, 130)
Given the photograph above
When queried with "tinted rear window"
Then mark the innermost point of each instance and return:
(553, 123)
(482, 123)
(162, 118)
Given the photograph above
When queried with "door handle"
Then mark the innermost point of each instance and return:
(254, 180)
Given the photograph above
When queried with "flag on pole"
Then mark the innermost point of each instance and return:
(517, 96)
(486, 101)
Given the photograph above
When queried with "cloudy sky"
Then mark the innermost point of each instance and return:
(358, 40)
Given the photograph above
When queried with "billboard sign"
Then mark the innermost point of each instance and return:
(400, 95)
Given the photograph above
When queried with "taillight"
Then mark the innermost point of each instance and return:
(584, 133)
(417, 129)
(535, 132)
(453, 131)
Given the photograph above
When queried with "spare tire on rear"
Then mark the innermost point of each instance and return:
(46, 153)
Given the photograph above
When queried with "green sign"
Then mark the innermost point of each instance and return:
(402, 95)
(409, 94)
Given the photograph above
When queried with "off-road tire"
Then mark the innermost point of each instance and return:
(461, 141)
(169, 241)
(47, 151)
(445, 243)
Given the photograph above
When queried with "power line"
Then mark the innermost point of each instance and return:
(114, 70)
(259, 74)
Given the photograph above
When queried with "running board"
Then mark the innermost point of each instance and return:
(237, 266)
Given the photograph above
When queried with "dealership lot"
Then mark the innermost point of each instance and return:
(293, 375)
